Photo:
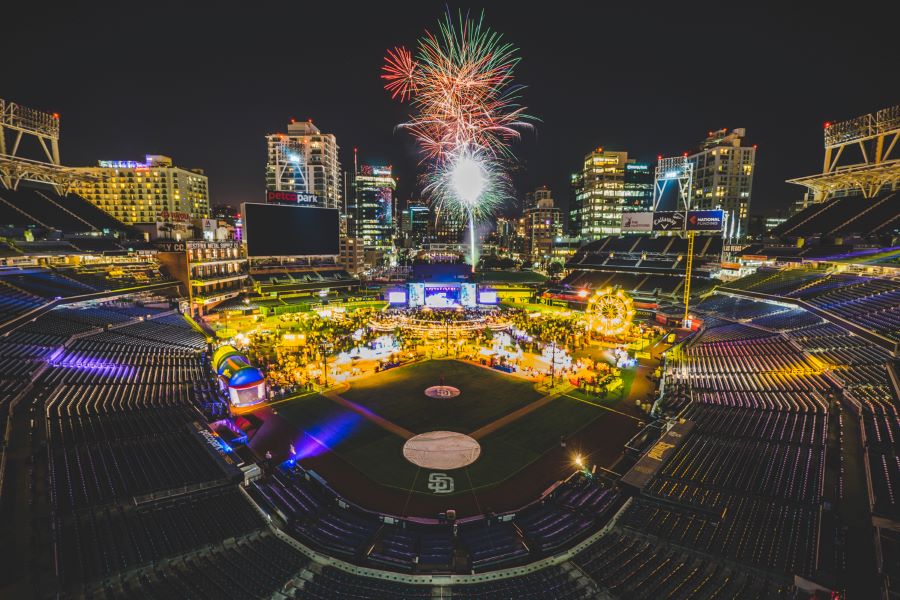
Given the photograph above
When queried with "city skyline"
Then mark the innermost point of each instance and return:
(209, 103)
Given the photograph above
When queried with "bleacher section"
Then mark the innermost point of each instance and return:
(289, 282)
(572, 511)
(631, 565)
(870, 302)
(642, 265)
(131, 480)
(844, 216)
(23, 290)
(29, 207)
(254, 566)
(782, 382)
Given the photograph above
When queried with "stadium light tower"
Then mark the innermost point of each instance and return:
(18, 123)
(680, 171)
(861, 154)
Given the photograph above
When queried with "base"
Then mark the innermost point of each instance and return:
(442, 391)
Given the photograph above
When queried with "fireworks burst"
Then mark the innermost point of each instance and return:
(468, 185)
(460, 84)
(466, 113)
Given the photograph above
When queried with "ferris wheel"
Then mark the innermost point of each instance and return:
(610, 312)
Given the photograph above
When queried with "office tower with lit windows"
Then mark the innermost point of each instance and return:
(416, 223)
(370, 207)
(532, 198)
(723, 177)
(449, 228)
(543, 224)
(153, 191)
(305, 161)
(608, 184)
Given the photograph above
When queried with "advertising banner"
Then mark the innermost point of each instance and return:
(705, 220)
(668, 221)
(273, 197)
(637, 221)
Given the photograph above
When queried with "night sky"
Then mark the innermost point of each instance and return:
(205, 85)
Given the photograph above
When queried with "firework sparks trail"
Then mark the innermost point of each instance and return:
(466, 113)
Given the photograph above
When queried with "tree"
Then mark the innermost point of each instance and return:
(554, 268)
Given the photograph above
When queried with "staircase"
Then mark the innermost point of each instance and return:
(63, 208)
(872, 206)
(19, 210)
(586, 584)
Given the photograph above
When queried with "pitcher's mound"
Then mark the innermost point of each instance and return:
(441, 450)
(442, 391)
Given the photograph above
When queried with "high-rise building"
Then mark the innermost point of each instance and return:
(153, 191)
(609, 184)
(352, 256)
(532, 198)
(723, 176)
(370, 207)
(416, 223)
(449, 228)
(505, 235)
(543, 224)
(305, 161)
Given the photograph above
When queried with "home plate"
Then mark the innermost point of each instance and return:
(441, 450)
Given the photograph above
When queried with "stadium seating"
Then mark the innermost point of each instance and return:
(871, 302)
(102, 542)
(334, 584)
(15, 301)
(573, 510)
(11, 215)
(552, 582)
(630, 565)
(642, 265)
(846, 215)
(253, 566)
(40, 206)
(99, 218)
(43, 208)
(96, 244)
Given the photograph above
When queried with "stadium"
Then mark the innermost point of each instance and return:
(195, 410)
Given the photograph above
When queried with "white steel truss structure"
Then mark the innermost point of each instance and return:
(19, 122)
(873, 139)
(676, 169)
(680, 170)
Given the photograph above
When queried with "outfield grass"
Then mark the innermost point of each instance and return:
(398, 395)
(340, 429)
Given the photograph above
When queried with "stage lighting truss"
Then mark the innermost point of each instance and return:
(610, 312)
(420, 323)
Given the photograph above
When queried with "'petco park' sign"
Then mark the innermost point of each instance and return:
(273, 197)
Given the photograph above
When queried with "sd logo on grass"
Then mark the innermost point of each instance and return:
(440, 483)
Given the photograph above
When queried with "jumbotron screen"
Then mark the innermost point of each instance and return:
(277, 230)
(439, 295)
(442, 296)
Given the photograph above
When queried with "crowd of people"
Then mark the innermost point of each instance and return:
(294, 349)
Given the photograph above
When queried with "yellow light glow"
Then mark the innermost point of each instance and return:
(611, 313)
